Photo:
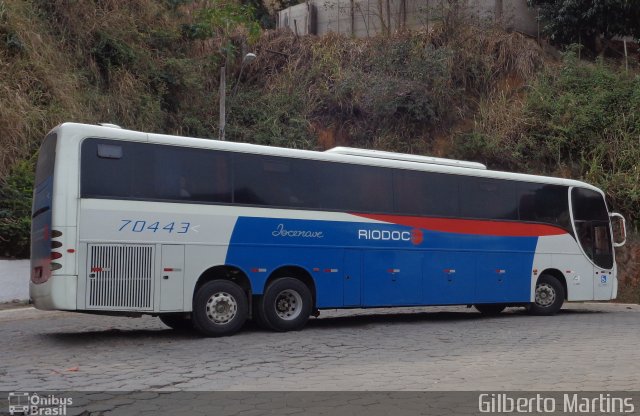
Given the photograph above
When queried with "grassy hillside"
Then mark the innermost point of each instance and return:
(148, 65)
(457, 91)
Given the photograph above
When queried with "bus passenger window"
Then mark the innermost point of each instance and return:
(544, 203)
(184, 192)
(490, 199)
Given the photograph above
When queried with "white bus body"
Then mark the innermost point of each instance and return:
(128, 222)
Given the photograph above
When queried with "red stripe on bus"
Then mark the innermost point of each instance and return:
(477, 227)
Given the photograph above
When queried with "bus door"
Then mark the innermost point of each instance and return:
(593, 232)
(595, 239)
(449, 278)
(172, 278)
(392, 277)
(352, 278)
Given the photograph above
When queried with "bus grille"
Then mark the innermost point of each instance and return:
(120, 277)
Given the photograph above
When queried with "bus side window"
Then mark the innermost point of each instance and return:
(328, 185)
(488, 199)
(184, 188)
(116, 171)
(544, 203)
(368, 189)
(221, 179)
(258, 180)
(407, 200)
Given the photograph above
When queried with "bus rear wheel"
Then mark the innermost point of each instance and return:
(286, 304)
(220, 307)
(490, 308)
(549, 296)
(176, 321)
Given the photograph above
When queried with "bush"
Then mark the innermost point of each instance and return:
(15, 211)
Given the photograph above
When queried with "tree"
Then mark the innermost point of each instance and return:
(592, 23)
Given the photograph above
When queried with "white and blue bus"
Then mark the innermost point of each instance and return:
(208, 234)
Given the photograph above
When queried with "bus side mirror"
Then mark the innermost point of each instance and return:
(619, 227)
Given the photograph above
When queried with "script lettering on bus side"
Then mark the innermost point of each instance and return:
(280, 231)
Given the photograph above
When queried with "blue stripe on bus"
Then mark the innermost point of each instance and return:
(379, 264)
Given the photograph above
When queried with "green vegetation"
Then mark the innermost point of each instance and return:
(592, 23)
(396, 93)
(15, 210)
(577, 120)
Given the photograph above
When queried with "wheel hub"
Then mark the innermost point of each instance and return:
(288, 304)
(221, 308)
(283, 305)
(545, 295)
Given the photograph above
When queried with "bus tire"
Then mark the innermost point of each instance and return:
(220, 307)
(258, 313)
(176, 321)
(549, 296)
(287, 304)
(490, 308)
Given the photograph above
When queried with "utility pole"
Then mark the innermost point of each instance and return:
(247, 59)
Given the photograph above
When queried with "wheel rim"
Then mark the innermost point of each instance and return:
(221, 308)
(288, 305)
(545, 295)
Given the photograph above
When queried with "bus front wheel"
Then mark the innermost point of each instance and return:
(549, 296)
(220, 307)
(286, 304)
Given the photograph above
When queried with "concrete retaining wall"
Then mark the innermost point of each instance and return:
(14, 280)
(363, 18)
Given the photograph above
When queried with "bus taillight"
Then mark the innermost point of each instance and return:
(55, 254)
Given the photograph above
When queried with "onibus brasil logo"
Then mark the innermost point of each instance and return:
(41, 405)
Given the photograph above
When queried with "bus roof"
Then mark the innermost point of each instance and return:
(77, 132)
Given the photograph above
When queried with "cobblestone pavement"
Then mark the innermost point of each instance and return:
(589, 346)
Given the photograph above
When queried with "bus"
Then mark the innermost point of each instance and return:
(208, 234)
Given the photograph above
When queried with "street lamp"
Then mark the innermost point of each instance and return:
(247, 59)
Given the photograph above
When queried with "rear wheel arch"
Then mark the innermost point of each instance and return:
(225, 272)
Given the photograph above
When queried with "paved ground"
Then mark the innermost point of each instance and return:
(586, 347)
